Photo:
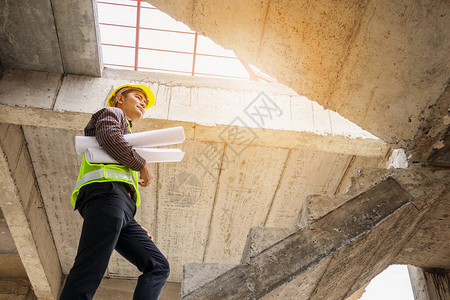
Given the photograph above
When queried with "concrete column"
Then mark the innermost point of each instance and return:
(430, 283)
(25, 215)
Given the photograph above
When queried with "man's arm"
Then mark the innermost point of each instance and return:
(108, 132)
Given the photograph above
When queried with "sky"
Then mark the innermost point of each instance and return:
(393, 283)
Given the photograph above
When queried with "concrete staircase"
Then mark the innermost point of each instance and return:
(338, 244)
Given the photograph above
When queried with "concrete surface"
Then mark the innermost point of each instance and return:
(7, 245)
(24, 213)
(121, 289)
(431, 136)
(35, 48)
(378, 64)
(16, 290)
(197, 274)
(12, 267)
(429, 283)
(50, 35)
(346, 251)
(78, 36)
(260, 238)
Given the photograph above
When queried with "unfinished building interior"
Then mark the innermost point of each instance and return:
(300, 205)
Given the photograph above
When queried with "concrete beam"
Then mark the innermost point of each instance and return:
(78, 36)
(25, 216)
(428, 247)
(208, 111)
(60, 36)
(28, 36)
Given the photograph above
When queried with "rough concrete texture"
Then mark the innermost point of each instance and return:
(35, 48)
(78, 36)
(50, 35)
(182, 102)
(260, 238)
(317, 206)
(197, 274)
(16, 290)
(6, 241)
(431, 136)
(11, 267)
(358, 294)
(440, 156)
(301, 286)
(122, 289)
(437, 281)
(22, 207)
(379, 64)
(427, 246)
(429, 284)
(29, 88)
(342, 248)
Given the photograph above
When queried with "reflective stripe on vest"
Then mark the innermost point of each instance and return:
(104, 173)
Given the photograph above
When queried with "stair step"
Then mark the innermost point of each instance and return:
(260, 238)
(317, 206)
(197, 274)
(366, 177)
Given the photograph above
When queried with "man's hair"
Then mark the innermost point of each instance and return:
(125, 91)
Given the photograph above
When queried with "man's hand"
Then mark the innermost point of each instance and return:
(148, 234)
(145, 176)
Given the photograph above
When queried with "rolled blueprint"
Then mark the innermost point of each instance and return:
(154, 138)
(98, 155)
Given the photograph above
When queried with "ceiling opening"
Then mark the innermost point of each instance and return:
(137, 36)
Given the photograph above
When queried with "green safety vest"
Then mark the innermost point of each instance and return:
(90, 173)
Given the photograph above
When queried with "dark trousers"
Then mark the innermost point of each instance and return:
(108, 213)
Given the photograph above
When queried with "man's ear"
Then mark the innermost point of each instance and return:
(120, 99)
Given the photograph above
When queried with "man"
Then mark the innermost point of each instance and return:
(106, 196)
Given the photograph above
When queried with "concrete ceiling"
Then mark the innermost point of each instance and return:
(50, 35)
(379, 64)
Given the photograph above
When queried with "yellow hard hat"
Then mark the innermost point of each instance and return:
(140, 87)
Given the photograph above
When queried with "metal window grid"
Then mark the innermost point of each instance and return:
(194, 53)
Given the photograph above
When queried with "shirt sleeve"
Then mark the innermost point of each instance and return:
(108, 132)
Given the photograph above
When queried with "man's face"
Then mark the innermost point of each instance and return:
(133, 104)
